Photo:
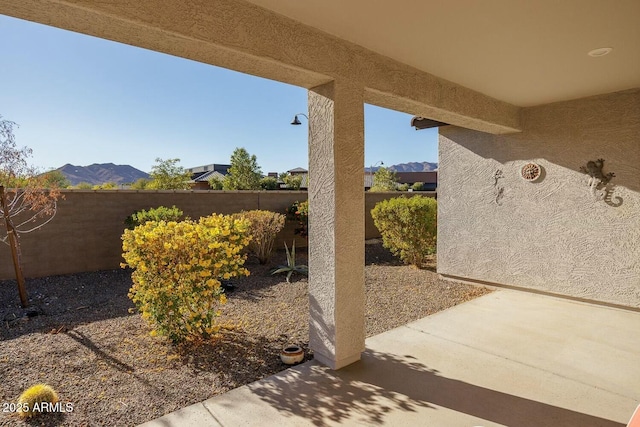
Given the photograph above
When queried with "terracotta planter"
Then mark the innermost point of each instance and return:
(292, 354)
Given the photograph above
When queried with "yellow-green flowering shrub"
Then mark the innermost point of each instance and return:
(177, 267)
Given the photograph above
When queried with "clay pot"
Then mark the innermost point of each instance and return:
(292, 354)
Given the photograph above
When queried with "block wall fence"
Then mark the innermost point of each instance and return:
(85, 234)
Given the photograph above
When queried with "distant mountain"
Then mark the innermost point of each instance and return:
(410, 167)
(415, 167)
(97, 174)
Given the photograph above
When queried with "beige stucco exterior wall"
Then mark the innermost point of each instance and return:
(336, 223)
(551, 235)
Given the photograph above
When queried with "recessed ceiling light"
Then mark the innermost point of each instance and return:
(601, 51)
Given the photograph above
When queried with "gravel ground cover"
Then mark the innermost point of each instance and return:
(83, 340)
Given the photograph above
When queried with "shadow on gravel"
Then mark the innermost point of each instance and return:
(376, 254)
(237, 356)
(47, 420)
(59, 303)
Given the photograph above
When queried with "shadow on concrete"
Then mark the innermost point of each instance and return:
(369, 390)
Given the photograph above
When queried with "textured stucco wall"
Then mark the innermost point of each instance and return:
(550, 235)
(336, 205)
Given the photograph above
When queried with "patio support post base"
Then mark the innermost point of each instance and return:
(336, 228)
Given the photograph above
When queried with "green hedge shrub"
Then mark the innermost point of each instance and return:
(417, 186)
(408, 227)
(160, 213)
(269, 183)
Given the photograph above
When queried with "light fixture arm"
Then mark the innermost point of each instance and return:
(296, 121)
(380, 162)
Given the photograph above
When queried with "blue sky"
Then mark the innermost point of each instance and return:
(83, 100)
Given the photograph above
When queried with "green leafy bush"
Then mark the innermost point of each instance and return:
(417, 186)
(216, 183)
(408, 227)
(269, 183)
(384, 179)
(299, 211)
(292, 182)
(264, 226)
(177, 271)
(160, 213)
(403, 187)
(84, 186)
(140, 184)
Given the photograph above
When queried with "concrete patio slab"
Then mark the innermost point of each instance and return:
(508, 358)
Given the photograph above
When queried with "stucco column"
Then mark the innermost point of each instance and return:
(336, 228)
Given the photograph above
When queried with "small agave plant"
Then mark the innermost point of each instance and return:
(291, 266)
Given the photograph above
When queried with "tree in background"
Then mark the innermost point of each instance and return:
(216, 183)
(244, 173)
(417, 186)
(55, 179)
(167, 175)
(27, 199)
(140, 184)
(83, 186)
(106, 186)
(269, 183)
(293, 182)
(384, 180)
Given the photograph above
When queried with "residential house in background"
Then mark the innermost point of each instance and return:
(298, 171)
(304, 184)
(200, 175)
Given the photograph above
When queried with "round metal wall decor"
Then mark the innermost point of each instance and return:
(531, 172)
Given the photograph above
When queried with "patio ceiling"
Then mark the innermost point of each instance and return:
(522, 52)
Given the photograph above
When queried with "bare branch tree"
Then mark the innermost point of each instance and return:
(28, 200)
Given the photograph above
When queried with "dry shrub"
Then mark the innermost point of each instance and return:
(264, 226)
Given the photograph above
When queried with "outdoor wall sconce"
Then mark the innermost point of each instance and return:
(297, 121)
(597, 178)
